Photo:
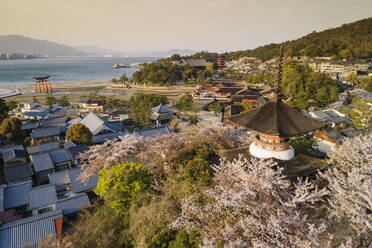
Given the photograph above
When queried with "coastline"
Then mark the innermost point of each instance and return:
(82, 89)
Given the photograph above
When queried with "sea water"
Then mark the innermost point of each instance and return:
(19, 72)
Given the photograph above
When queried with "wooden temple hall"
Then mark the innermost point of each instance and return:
(273, 124)
(41, 85)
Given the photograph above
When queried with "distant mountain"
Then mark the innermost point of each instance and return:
(25, 45)
(95, 50)
(162, 54)
(349, 41)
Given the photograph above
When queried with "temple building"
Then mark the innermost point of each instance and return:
(273, 124)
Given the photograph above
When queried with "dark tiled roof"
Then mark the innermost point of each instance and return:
(13, 153)
(59, 156)
(79, 186)
(161, 109)
(59, 178)
(54, 121)
(240, 98)
(43, 147)
(152, 132)
(42, 196)
(29, 230)
(101, 138)
(36, 114)
(17, 173)
(74, 151)
(42, 162)
(45, 132)
(276, 118)
(73, 203)
(29, 126)
(16, 195)
(161, 117)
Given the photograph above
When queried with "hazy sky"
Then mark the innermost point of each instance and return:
(214, 25)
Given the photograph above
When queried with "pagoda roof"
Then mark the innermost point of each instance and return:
(276, 118)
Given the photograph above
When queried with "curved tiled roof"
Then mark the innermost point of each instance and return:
(276, 118)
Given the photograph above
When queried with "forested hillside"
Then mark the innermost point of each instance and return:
(353, 40)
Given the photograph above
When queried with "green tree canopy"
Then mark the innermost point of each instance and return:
(79, 133)
(140, 106)
(186, 103)
(123, 78)
(3, 110)
(120, 184)
(361, 114)
(10, 128)
(50, 100)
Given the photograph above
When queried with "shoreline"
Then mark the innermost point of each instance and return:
(81, 89)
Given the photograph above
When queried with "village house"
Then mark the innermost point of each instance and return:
(46, 134)
(42, 199)
(42, 165)
(87, 105)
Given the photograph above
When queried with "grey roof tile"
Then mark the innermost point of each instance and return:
(152, 132)
(59, 178)
(17, 173)
(76, 150)
(101, 138)
(93, 123)
(73, 203)
(162, 109)
(29, 230)
(45, 132)
(59, 156)
(12, 153)
(42, 162)
(29, 126)
(42, 196)
(43, 147)
(79, 186)
(16, 195)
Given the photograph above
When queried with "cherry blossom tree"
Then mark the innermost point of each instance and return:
(253, 205)
(349, 181)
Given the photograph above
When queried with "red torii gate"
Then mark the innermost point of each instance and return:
(41, 85)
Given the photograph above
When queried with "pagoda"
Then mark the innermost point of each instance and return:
(273, 124)
(221, 63)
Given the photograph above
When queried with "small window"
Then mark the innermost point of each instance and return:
(44, 210)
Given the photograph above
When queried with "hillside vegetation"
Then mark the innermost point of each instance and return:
(353, 40)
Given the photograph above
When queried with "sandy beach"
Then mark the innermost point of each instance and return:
(78, 90)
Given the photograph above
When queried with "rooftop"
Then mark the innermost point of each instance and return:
(79, 186)
(14, 153)
(45, 132)
(29, 230)
(42, 196)
(42, 162)
(17, 173)
(161, 109)
(152, 132)
(43, 147)
(16, 195)
(276, 118)
(73, 203)
(195, 62)
(59, 156)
